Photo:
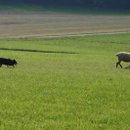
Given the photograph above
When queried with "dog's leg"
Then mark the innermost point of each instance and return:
(127, 67)
(118, 63)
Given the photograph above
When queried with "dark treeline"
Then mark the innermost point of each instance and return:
(109, 4)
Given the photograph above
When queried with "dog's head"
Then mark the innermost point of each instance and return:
(15, 62)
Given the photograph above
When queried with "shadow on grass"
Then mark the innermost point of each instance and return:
(38, 51)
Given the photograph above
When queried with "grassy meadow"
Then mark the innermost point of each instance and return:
(70, 84)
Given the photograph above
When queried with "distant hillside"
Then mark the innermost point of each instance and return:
(107, 4)
(82, 6)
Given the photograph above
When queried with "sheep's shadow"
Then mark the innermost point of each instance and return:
(37, 51)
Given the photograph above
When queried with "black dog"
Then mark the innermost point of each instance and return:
(8, 62)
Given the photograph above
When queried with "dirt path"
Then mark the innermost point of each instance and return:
(65, 35)
(47, 24)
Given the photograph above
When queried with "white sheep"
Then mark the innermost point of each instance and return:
(123, 56)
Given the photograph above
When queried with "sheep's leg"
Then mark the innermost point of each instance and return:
(118, 63)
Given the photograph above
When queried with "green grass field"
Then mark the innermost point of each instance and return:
(72, 85)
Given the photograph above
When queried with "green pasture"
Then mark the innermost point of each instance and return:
(65, 84)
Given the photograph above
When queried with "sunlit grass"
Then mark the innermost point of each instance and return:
(60, 91)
